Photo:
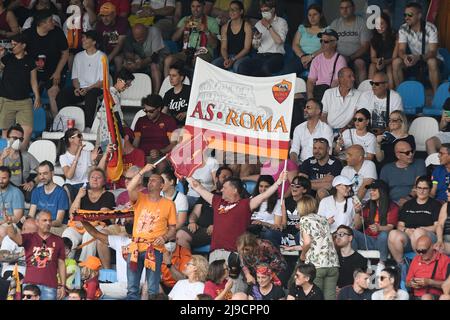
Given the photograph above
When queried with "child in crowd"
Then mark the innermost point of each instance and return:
(89, 276)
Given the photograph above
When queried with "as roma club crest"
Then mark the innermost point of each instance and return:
(281, 90)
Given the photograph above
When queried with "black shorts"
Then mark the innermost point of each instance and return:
(47, 84)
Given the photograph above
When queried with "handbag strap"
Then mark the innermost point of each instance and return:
(424, 33)
(334, 68)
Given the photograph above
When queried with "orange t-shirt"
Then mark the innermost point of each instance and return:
(152, 219)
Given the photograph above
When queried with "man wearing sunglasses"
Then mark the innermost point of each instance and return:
(31, 292)
(411, 54)
(380, 101)
(428, 271)
(441, 174)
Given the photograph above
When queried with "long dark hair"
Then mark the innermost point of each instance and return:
(383, 206)
(216, 271)
(381, 41)
(322, 22)
(394, 272)
(272, 201)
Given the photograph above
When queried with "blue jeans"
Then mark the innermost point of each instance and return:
(235, 67)
(294, 65)
(380, 243)
(47, 293)
(262, 65)
(153, 277)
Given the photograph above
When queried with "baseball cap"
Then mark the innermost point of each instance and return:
(107, 8)
(92, 263)
(328, 32)
(341, 180)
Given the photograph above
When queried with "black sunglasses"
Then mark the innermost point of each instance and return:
(28, 296)
(422, 251)
(359, 119)
(407, 152)
(149, 111)
(327, 41)
(382, 278)
(373, 83)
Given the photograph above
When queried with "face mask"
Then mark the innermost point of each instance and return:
(266, 15)
(14, 144)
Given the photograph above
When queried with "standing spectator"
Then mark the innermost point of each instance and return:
(176, 99)
(12, 202)
(272, 31)
(411, 37)
(144, 52)
(122, 6)
(383, 49)
(340, 103)
(218, 284)
(87, 78)
(306, 132)
(318, 247)
(154, 224)
(180, 200)
(359, 289)
(304, 287)
(417, 217)
(236, 39)
(8, 22)
(354, 38)
(325, 68)
(441, 174)
(349, 259)
(45, 256)
(48, 47)
(389, 283)
(267, 287)
(113, 30)
(443, 227)
(427, 271)
(196, 272)
(306, 44)
(19, 78)
(401, 175)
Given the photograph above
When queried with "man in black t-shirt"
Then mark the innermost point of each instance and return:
(359, 289)
(47, 45)
(18, 80)
(176, 99)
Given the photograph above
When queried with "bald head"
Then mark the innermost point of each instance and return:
(355, 155)
(139, 32)
(424, 242)
(29, 226)
(357, 149)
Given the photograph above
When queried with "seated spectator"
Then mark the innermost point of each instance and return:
(31, 292)
(306, 44)
(113, 30)
(196, 272)
(402, 174)
(218, 284)
(410, 39)
(176, 99)
(428, 271)
(219, 9)
(304, 288)
(349, 259)
(359, 289)
(360, 171)
(380, 102)
(340, 103)
(122, 6)
(152, 131)
(397, 131)
(263, 218)
(359, 135)
(51, 197)
(318, 248)
(208, 176)
(9, 26)
(144, 52)
(383, 49)
(339, 208)
(321, 168)
(389, 283)
(267, 288)
(180, 200)
(324, 70)
(270, 36)
(380, 216)
(441, 175)
(308, 131)
(198, 33)
(434, 143)
(236, 39)
(40, 5)
(87, 78)
(417, 217)
(443, 227)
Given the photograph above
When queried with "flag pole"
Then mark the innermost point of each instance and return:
(282, 186)
(160, 160)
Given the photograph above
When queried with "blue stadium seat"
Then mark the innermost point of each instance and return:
(107, 275)
(202, 250)
(3, 143)
(438, 101)
(413, 96)
(249, 185)
(39, 122)
(446, 67)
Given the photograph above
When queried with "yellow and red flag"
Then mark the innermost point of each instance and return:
(18, 294)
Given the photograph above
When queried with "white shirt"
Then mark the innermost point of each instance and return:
(328, 207)
(340, 110)
(119, 244)
(268, 45)
(180, 200)
(88, 69)
(377, 107)
(414, 39)
(82, 169)
(263, 215)
(368, 171)
(204, 176)
(367, 141)
(8, 244)
(184, 290)
(303, 138)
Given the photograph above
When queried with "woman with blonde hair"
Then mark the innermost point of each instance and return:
(196, 272)
(318, 247)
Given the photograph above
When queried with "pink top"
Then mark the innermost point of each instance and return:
(275, 170)
(321, 68)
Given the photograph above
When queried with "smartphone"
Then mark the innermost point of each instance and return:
(86, 186)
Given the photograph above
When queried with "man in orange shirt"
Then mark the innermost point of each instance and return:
(154, 224)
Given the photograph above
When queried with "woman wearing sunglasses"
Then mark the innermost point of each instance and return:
(358, 135)
(389, 283)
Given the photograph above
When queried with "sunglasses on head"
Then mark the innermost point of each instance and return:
(359, 119)
(409, 152)
(79, 135)
(326, 41)
(422, 251)
(373, 83)
(323, 140)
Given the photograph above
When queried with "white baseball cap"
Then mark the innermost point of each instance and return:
(341, 180)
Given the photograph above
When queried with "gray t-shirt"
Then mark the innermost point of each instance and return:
(29, 163)
(401, 180)
(351, 37)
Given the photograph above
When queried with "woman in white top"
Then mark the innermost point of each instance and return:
(340, 208)
(196, 272)
(263, 218)
(389, 283)
(169, 192)
(359, 135)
